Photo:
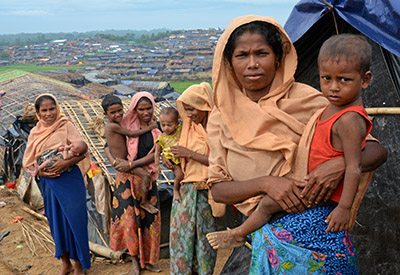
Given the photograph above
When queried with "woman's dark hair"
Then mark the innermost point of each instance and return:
(270, 32)
(40, 100)
(144, 99)
(110, 100)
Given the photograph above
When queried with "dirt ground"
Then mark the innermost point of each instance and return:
(16, 256)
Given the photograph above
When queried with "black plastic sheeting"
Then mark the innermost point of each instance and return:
(377, 234)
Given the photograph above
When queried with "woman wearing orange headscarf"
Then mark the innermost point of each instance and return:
(132, 227)
(191, 218)
(64, 193)
(259, 133)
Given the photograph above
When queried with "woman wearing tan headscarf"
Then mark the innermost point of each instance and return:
(191, 218)
(64, 193)
(259, 133)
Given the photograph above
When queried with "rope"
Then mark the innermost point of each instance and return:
(331, 8)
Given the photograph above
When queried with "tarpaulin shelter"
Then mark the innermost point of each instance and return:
(376, 234)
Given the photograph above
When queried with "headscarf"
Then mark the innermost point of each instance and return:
(260, 138)
(131, 122)
(194, 136)
(277, 121)
(49, 136)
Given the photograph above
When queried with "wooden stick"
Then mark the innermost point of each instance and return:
(33, 213)
(104, 251)
(383, 110)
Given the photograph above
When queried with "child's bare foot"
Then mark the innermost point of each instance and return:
(225, 239)
(153, 267)
(148, 207)
(135, 267)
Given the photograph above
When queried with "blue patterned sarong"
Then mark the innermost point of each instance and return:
(65, 207)
(297, 244)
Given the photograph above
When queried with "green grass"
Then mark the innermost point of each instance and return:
(34, 68)
(180, 87)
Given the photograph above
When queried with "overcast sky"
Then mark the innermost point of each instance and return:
(34, 16)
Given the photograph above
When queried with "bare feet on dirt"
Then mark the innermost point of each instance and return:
(225, 239)
(148, 207)
(153, 267)
(135, 267)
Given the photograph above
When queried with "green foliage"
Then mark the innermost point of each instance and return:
(180, 87)
(34, 68)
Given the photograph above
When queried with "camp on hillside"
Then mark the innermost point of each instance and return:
(310, 23)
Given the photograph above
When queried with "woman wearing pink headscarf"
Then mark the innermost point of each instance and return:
(133, 228)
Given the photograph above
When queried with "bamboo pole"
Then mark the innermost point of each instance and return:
(105, 252)
(383, 110)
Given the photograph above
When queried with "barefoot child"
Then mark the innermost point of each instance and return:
(76, 148)
(116, 140)
(169, 120)
(344, 62)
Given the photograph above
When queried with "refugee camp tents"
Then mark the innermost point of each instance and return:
(376, 235)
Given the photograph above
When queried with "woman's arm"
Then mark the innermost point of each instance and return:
(282, 190)
(182, 152)
(59, 165)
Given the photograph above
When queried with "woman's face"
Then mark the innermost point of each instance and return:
(48, 111)
(254, 64)
(195, 115)
(144, 110)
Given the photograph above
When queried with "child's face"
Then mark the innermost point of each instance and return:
(115, 113)
(168, 123)
(342, 82)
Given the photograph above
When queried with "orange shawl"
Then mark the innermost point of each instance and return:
(194, 136)
(249, 139)
(131, 122)
(46, 136)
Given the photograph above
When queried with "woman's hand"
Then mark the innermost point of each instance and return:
(57, 167)
(287, 194)
(180, 151)
(166, 162)
(122, 165)
(326, 178)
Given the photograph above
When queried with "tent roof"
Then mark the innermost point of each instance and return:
(379, 19)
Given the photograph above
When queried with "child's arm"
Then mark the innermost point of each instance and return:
(157, 154)
(351, 130)
(116, 128)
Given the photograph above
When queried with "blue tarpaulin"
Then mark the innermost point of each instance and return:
(377, 19)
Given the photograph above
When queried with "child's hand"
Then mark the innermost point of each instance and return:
(157, 169)
(338, 219)
(177, 195)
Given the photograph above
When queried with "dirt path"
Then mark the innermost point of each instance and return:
(17, 258)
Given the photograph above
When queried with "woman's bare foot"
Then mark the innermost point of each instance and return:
(78, 270)
(153, 267)
(148, 207)
(66, 269)
(225, 239)
(135, 267)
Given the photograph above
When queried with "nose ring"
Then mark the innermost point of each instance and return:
(257, 65)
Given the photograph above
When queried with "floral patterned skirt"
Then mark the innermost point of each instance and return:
(297, 244)
(191, 220)
(132, 227)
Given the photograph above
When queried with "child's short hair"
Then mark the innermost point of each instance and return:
(170, 110)
(110, 100)
(349, 46)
